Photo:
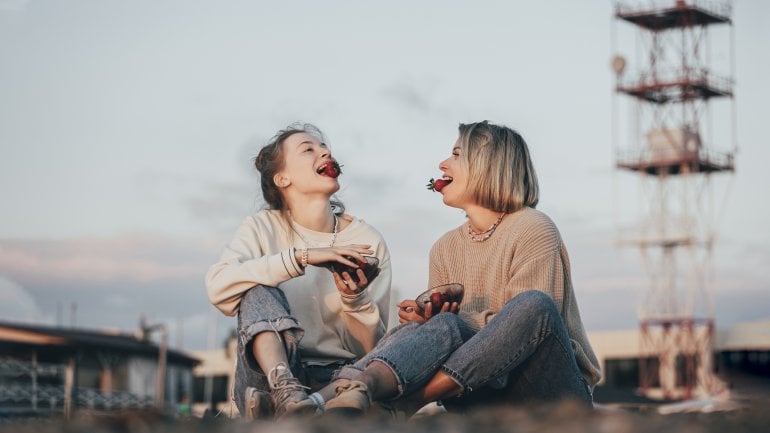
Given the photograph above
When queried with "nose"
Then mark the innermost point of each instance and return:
(326, 153)
(442, 165)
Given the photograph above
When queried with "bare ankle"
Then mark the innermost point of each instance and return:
(380, 380)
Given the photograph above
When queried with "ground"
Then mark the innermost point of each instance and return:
(564, 417)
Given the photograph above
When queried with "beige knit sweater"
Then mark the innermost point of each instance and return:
(526, 252)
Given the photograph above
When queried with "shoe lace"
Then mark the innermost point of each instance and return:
(285, 385)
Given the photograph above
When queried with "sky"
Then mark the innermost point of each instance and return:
(127, 131)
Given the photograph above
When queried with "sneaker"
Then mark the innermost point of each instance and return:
(352, 399)
(289, 396)
(257, 404)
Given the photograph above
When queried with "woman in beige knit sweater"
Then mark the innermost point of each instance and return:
(517, 336)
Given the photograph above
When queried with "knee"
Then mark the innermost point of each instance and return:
(256, 294)
(532, 303)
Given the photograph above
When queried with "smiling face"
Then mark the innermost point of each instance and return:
(308, 166)
(456, 172)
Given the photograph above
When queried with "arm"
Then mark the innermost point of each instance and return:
(243, 265)
(366, 314)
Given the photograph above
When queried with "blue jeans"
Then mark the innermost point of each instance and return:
(523, 354)
(265, 309)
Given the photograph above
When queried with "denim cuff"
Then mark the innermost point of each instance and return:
(458, 378)
(396, 373)
(346, 372)
(287, 327)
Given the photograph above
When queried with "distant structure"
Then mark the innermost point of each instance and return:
(51, 371)
(672, 142)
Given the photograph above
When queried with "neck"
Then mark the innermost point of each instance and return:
(481, 218)
(313, 214)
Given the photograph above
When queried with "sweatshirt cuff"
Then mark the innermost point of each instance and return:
(289, 261)
(355, 301)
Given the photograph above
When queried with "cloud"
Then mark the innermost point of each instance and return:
(16, 303)
(417, 96)
(91, 261)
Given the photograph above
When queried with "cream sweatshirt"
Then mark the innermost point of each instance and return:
(525, 252)
(335, 328)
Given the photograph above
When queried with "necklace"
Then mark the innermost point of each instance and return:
(481, 237)
(334, 231)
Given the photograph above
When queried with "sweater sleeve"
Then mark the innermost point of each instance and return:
(366, 315)
(244, 265)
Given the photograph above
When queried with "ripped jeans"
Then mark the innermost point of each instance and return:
(265, 309)
(523, 354)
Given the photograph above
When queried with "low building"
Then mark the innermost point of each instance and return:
(213, 380)
(49, 370)
(741, 357)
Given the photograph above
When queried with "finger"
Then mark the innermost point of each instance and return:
(428, 310)
(352, 286)
(407, 303)
(347, 262)
(455, 308)
(358, 247)
(362, 281)
(445, 307)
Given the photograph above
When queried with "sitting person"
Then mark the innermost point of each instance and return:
(299, 322)
(517, 336)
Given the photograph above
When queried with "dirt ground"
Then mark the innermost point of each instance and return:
(564, 417)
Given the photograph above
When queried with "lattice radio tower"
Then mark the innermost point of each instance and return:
(667, 138)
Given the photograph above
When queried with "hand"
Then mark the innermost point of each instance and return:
(348, 286)
(317, 256)
(409, 311)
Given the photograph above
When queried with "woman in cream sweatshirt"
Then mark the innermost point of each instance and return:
(297, 321)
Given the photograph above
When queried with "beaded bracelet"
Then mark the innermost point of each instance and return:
(304, 257)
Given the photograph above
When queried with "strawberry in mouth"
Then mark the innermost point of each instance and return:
(438, 184)
(331, 169)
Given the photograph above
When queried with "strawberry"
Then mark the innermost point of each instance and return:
(331, 169)
(437, 296)
(438, 184)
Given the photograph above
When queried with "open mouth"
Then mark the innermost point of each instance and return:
(439, 184)
(330, 168)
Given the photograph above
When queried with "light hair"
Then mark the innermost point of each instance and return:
(501, 176)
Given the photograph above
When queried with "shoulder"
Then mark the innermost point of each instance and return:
(530, 222)
(266, 220)
(534, 231)
(353, 228)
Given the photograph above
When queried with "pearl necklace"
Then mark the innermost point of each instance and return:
(481, 237)
(334, 231)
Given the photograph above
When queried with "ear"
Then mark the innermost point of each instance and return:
(281, 180)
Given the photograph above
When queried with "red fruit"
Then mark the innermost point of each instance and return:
(437, 296)
(331, 169)
(438, 184)
(437, 299)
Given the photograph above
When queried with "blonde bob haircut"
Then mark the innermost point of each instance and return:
(501, 176)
